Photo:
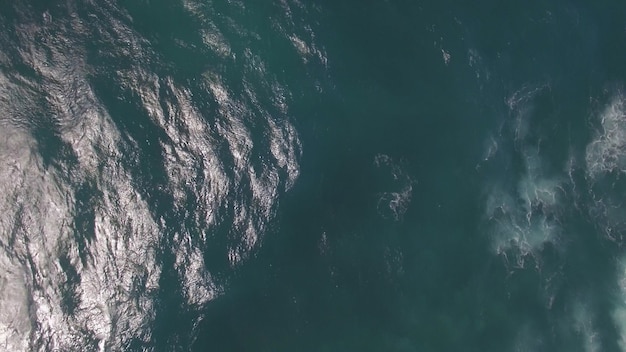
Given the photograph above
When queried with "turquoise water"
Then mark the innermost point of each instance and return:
(288, 175)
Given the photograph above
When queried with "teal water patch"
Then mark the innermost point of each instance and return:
(312, 176)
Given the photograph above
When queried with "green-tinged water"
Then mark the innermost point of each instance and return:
(196, 175)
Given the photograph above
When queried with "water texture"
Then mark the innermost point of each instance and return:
(290, 175)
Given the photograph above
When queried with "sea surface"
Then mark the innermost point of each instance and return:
(296, 175)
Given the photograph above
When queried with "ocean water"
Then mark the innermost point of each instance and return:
(292, 175)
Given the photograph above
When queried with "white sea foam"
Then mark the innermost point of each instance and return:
(524, 213)
(446, 56)
(523, 228)
(605, 162)
(394, 203)
(619, 312)
(577, 325)
(583, 324)
(607, 150)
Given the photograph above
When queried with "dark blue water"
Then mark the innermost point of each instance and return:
(197, 175)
